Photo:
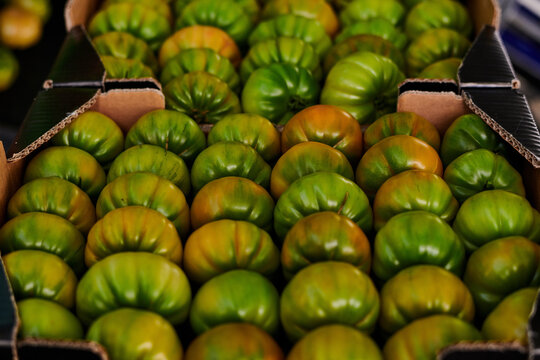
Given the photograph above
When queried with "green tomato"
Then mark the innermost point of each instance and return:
(47, 233)
(232, 342)
(236, 296)
(285, 50)
(377, 27)
(54, 196)
(149, 190)
(415, 238)
(134, 279)
(233, 198)
(249, 129)
(413, 190)
(307, 158)
(201, 59)
(480, 170)
(467, 133)
(45, 319)
(9, 68)
(434, 45)
(95, 133)
(393, 155)
(153, 159)
(136, 19)
(322, 191)
(129, 334)
(335, 342)
(169, 129)
(117, 68)
(68, 163)
(133, 228)
(229, 159)
(442, 69)
(202, 96)
(33, 273)
(224, 245)
(499, 268)
(289, 25)
(123, 45)
(494, 214)
(363, 84)
(402, 123)
(424, 338)
(363, 42)
(420, 291)
(510, 319)
(223, 14)
(161, 6)
(278, 91)
(325, 293)
(250, 7)
(324, 236)
(428, 15)
(362, 10)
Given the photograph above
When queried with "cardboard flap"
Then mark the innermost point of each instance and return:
(487, 63)
(33, 349)
(77, 12)
(9, 321)
(77, 63)
(507, 112)
(50, 112)
(484, 351)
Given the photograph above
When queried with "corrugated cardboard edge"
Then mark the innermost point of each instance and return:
(89, 346)
(17, 324)
(509, 138)
(492, 345)
(54, 130)
(439, 108)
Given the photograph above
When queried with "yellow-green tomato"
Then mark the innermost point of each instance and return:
(117, 68)
(134, 279)
(224, 245)
(9, 68)
(424, 338)
(95, 133)
(236, 296)
(154, 159)
(54, 196)
(393, 155)
(499, 268)
(45, 232)
(233, 342)
(324, 236)
(34, 273)
(415, 238)
(509, 320)
(68, 163)
(304, 159)
(133, 228)
(335, 342)
(328, 292)
(250, 129)
(149, 190)
(420, 291)
(229, 159)
(129, 334)
(413, 190)
(234, 198)
(46, 319)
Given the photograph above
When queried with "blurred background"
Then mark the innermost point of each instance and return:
(520, 30)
